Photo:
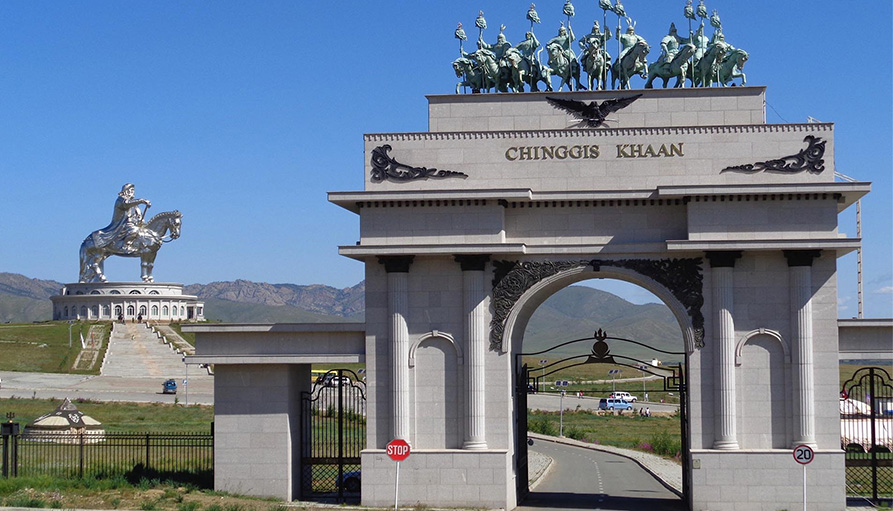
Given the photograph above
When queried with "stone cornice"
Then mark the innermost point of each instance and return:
(842, 246)
(845, 193)
(608, 132)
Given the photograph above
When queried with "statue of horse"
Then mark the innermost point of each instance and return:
(567, 69)
(677, 67)
(732, 67)
(471, 76)
(526, 71)
(632, 63)
(593, 61)
(704, 72)
(145, 246)
(495, 75)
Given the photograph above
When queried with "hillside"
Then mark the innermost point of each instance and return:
(572, 313)
(577, 312)
(315, 298)
(23, 300)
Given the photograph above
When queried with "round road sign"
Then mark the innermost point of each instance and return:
(803, 454)
(398, 449)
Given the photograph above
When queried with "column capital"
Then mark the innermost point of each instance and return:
(472, 262)
(801, 257)
(723, 258)
(396, 264)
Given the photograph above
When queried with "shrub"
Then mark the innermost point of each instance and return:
(189, 506)
(663, 444)
(574, 433)
(543, 426)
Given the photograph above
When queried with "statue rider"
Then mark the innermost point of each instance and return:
(126, 222)
(669, 45)
(595, 39)
(499, 47)
(528, 47)
(564, 40)
(720, 40)
(628, 40)
(700, 41)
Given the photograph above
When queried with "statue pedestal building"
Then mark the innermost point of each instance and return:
(153, 301)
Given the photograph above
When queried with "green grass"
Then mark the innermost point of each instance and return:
(43, 347)
(660, 435)
(120, 416)
(187, 336)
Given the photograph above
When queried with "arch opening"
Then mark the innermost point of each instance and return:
(591, 357)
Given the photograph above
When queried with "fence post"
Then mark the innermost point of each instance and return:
(81, 455)
(147, 452)
(5, 463)
(9, 431)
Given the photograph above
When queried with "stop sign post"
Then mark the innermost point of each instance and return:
(398, 450)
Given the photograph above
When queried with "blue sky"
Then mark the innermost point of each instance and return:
(244, 114)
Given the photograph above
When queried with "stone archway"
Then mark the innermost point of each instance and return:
(521, 287)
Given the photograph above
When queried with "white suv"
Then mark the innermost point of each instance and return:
(626, 396)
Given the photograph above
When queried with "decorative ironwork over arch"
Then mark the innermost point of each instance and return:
(682, 277)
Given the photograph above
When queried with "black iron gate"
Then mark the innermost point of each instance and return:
(333, 432)
(866, 433)
(523, 380)
(674, 380)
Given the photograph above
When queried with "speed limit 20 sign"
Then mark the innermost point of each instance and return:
(803, 454)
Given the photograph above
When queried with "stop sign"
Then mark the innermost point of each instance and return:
(398, 450)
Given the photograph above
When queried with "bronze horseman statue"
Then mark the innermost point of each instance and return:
(693, 59)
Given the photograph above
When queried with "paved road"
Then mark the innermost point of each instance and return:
(101, 388)
(135, 367)
(586, 479)
(551, 402)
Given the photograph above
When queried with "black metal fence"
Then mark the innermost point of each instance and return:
(187, 457)
(866, 433)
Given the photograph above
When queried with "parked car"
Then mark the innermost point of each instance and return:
(169, 386)
(613, 404)
(350, 481)
(340, 380)
(626, 396)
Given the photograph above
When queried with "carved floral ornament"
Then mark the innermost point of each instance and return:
(682, 277)
(386, 168)
(810, 160)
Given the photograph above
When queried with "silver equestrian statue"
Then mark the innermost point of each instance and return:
(128, 236)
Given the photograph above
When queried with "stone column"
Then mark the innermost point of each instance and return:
(398, 310)
(474, 307)
(800, 264)
(723, 291)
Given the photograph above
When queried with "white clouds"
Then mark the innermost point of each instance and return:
(886, 290)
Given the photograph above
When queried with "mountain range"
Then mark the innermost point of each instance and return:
(573, 313)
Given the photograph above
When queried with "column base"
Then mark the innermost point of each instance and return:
(726, 445)
(807, 441)
(474, 445)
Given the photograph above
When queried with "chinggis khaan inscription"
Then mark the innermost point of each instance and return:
(590, 152)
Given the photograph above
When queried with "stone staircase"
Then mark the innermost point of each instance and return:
(137, 351)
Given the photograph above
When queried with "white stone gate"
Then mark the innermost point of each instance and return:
(467, 228)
